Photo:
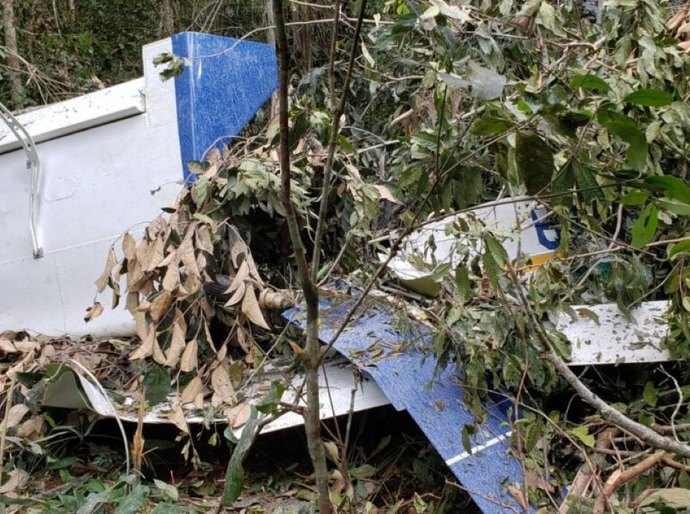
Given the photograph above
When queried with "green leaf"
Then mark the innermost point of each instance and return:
(169, 491)
(156, 385)
(650, 98)
(491, 269)
(534, 161)
(298, 128)
(134, 501)
(625, 128)
(645, 227)
(490, 125)
(634, 198)
(462, 282)
(650, 394)
(673, 187)
(679, 249)
(582, 433)
(674, 206)
(363, 471)
(269, 403)
(497, 251)
(234, 475)
(675, 498)
(563, 182)
(200, 191)
(591, 82)
(466, 444)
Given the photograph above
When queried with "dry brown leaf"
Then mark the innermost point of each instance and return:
(157, 254)
(678, 19)
(253, 271)
(186, 255)
(129, 246)
(144, 306)
(172, 275)
(157, 226)
(209, 337)
(201, 262)
(189, 360)
(244, 339)
(220, 355)
(6, 346)
(16, 414)
(211, 171)
(160, 306)
(177, 344)
(192, 284)
(203, 239)
(168, 259)
(385, 193)
(26, 346)
(250, 307)
(180, 319)
(158, 355)
(105, 276)
(239, 415)
(135, 274)
(132, 302)
(192, 389)
(93, 312)
(297, 349)
(239, 247)
(31, 428)
(177, 416)
(237, 296)
(18, 479)
(140, 324)
(242, 275)
(90, 360)
(146, 347)
(223, 391)
(143, 253)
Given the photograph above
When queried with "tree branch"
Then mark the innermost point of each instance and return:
(333, 140)
(312, 422)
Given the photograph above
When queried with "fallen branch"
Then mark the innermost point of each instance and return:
(586, 474)
(609, 413)
(620, 477)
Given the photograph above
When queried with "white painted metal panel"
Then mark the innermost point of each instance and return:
(513, 223)
(336, 382)
(97, 184)
(83, 112)
(614, 339)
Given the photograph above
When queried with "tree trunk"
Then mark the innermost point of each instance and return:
(16, 87)
(312, 354)
(167, 19)
(271, 40)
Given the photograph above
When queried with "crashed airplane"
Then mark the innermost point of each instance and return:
(78, 174)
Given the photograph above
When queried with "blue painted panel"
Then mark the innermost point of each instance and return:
(225, 82)
(407, 375)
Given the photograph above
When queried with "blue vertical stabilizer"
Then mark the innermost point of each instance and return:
(224, 83)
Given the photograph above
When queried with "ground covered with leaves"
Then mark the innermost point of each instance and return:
(66, 460)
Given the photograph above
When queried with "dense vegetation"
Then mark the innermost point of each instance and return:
(449, 105)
